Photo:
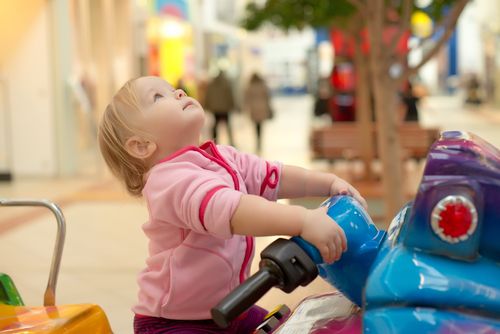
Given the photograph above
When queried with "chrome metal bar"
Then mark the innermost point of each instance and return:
(49, 298)
(4, 91)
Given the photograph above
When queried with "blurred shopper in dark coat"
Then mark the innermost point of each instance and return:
(258, 103)
(323, 98)
(219, 100)
(410, 100)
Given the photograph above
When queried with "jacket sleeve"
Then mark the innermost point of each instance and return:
(191, 198)
(261, 177)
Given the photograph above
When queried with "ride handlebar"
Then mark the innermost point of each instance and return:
(243, 297)
(284, 265)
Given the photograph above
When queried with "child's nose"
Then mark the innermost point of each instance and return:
(179, 93)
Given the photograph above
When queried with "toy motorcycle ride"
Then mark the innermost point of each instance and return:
(435, 270)
(15, 317)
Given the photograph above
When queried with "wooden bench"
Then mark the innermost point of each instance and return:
(341, 141)
(415, 141)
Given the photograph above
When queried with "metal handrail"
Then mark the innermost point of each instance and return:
(49, 298)
(4, 92)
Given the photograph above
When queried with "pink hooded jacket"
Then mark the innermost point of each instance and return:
(194, 260)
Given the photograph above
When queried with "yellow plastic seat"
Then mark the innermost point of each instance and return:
(67, 319)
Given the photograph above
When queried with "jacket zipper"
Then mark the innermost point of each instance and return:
(246, 259)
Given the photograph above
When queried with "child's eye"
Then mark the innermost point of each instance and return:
(157, 97)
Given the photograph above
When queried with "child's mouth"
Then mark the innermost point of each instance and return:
(187, 105)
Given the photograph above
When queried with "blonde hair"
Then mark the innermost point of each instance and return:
(115, 128)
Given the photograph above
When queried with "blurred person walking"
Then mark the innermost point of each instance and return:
(473, 87)
(258, 103)
(410, 101)
(323, 98)
(219, 100)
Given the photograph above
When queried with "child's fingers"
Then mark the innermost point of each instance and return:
(351, 191)
(338, 247)
(331, 252)
(357, 196)
(326, 253)
(343, 239)
(361, 200)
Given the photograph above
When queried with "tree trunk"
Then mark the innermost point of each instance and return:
(385, 97)
(363, 109)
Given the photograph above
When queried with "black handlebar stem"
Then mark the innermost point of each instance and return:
(243, 297)
(283, 264)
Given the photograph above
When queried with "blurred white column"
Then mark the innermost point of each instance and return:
(64, 112)
(29, 73)
(5, 133)
(197, 20)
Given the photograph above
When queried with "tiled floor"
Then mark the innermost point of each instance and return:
(105, 247)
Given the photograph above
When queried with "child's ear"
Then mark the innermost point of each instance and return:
(140, 148)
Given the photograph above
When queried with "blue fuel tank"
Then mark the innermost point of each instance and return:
(349, 274)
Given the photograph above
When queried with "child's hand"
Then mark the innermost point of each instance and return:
(324, 233)
(341, 187)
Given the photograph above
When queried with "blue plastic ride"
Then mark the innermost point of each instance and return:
(435, 270)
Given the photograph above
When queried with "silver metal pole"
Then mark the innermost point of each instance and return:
(7, 129)
(49, 298)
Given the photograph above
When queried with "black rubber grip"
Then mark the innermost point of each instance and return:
(243, 297)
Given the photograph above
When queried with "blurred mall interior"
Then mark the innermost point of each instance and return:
(62, 60)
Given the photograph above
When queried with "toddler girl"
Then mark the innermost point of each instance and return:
(206, 203)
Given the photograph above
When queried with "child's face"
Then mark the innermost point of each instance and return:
(172, 118)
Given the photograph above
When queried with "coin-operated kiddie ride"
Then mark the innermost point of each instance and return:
(436, 269)
(51, 318)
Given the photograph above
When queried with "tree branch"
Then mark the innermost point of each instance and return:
(422, 41)
(375, 27)
(403, 26)
(360, 6)
(437, 27)
(449, 26)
